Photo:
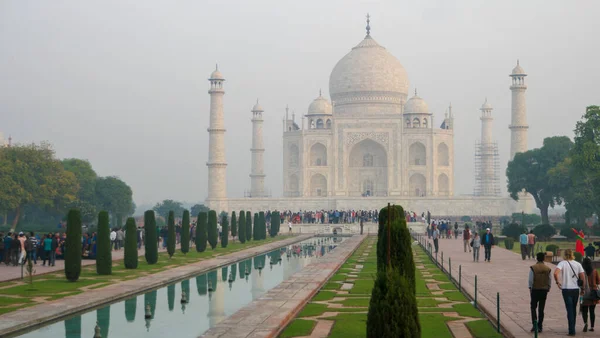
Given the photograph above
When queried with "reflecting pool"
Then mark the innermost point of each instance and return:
(191, 307)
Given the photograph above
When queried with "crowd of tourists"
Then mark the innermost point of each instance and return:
(16, 248)
(338, 216)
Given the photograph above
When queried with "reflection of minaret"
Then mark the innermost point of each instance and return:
(257, 285)
(216, 305)
(217, 190)
(257, 174)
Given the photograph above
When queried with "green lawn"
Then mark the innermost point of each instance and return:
(299, 327)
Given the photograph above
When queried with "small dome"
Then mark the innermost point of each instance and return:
(518, 70)
(216, 75)
(416, 105)
(320, 106)
(257, 107)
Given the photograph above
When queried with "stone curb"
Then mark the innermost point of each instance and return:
(30, 318)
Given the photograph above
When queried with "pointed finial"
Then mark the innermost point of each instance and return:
(368, 25)
(216, 66)
(415, 91)
(257, 100)
(485, 100)
(517, 62)
(320, 92)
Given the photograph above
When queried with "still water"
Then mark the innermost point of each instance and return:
(211, 297)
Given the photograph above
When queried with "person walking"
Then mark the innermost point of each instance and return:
(524, 244)
(47, 245)
(590, 252)
(32, 245)
(588, 303)
(571, 279)
(476, 245)
(467, 238)
(540, 280)
(530, 243)
(435, 234)
(488, 242)
(113, 239)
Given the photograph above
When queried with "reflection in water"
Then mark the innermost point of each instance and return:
(212, 280)
(73, 327)
(103, 318)
(201, 284)
(171, 296)
(216, 300)
(242, 268)
(224, 274)
(185, 287)
(150, 298)
(130, 308)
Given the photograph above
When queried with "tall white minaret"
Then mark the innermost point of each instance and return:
(217, 183)
(257, 174)
(488, 152)
(518, 125)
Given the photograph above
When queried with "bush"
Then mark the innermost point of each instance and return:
(151, 239)
(544, 231)
(255, 229)
(248, 225)
(275, 223)
(103, 246)
(201, 232)
(171, 237)
(233, 225)
(263, 225)
(509, 243)
(578, 256)
(514, 230)
(131, 252)
(568, 232)
(73, 246)
(212, 229)
(224, 231)
(381, 245)
(393, 309)
(242, 227)
(553, 248)
(185, 232)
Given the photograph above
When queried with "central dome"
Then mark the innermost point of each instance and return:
(368, 73)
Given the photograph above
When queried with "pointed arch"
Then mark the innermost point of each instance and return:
(443, 156)
(293, 186)
(443, 185)
(318, 185)
(318, 155)
(417, 185)
(367, 169)
(417, 154)
(294, 156)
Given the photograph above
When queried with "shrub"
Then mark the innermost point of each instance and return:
(185, 232)
(544, 231)
(233, 225)
(151, 239)
(171, 234)
(514, 230)
(263, 225)
(224, 231)
(212, 229)
(103, 246)
(509, 243)
(578, 256)
(393, 309)
(255, 229)
(553, 248)
(275, 223)
(73, 246)
(242, 227)
(248, 225)
(131, 252)
(201, 232)
(568, 232)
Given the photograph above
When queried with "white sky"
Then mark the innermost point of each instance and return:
(124, 83)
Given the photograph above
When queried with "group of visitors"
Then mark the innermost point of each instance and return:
(473, 242)
(327, 216)
(17, 248)
(527, 242)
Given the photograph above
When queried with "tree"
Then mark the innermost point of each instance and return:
(201, 232)
(103, 246)
(197, 208)
(248, 225)
(585, 157)
(86, 179)
(212, 229)
(73, 245)
(233, 225)
(544, 232)
(526, 219)
(224, 231)
(242, 227)
(394, 212)
(151, 237)
(514, 230)
(163, 208)
(256, 228)
(263, 225)
(578, 190)
(115, 196)
(131, 252)
(171, 236)
(185, 232)
(529, 172)
(275, 222)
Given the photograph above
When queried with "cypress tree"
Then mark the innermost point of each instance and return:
(381, 244)
(130, 308)
(233, 225)
(171, 296)
(224, 231)
(103, 246)
(248, 225)
(242, 227)
(185, 232)
(201, 235)
(213, 234)
(275, 222)
(255, 228)
(73, 245)
(201, 285)
(131, 252)
(263, 225)
(151, 240)
(171, 234)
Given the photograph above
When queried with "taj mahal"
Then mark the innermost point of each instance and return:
(369, 144)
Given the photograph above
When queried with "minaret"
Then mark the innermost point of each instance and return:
(257, 174)
(518, 125)
(488, 152)
(217, 184)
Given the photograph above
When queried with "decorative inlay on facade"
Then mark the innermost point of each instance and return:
(353, 138)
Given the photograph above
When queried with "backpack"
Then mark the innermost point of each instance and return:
(28, 244)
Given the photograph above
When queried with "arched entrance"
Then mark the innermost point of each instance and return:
(318, 185)
(417, 185)
(367, 169)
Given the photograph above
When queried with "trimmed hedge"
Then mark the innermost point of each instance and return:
(201, 234)
(263, 225)
(256, 228)
(509, 243)
(185, 232)
(131, 252)
(242, 227)
(103, 246)
(73, 246)
(151, 239)
(224, 231)
(171, 237)
(553, 248)
(275, 223)
(233, 225)
(212, 229)
(248, 225)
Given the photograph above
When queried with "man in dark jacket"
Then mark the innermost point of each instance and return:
(540, 280)
(488, 241)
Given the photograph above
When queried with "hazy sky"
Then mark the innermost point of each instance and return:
(124, 83)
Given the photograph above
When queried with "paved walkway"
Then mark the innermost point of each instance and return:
(507, 274)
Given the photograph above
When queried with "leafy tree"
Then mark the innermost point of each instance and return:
(585, 157)
(86, 179)
(242, 227)
(544, 231)
(171, 235)
(201, 232)
(567, 231)
(233, 225)
(224, 231)
(578, 190)
(103, 246)
(212, 229)
(114, 196)
(198, 208)
(131, 252)
(73, 245)
(256, 228)
(526, 219)
(275, 221)
(185, 232)
(163, 208)
(248, 225)
(513, 230)
(151, 237)
(529, 171)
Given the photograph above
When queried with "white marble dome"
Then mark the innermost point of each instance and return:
(216, 75)
(416, 105)
(518, 70)
(320, 106)
(368, 67)
(486, 106)
(257, 107)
